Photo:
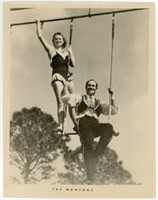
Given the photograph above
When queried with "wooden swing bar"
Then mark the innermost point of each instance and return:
(79, 16)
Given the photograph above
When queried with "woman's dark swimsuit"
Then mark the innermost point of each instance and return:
(60, 65)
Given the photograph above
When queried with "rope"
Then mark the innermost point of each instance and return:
(112, 46)
(64, 122)
(89, 14)
(111, 67)
(65, 106)
(71, 31)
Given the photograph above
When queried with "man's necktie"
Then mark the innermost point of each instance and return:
(91, 102)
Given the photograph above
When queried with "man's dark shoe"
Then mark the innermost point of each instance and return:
(115, 133)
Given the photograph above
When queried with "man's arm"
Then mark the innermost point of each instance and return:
(73, 115)
(72, 101)
(113, 103)
(106, 107)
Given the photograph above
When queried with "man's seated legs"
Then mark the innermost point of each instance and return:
(87, 138)
(105, 131)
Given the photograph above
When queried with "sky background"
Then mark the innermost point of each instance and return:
(30, 73)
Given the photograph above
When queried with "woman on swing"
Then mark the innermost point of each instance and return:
(60, 60)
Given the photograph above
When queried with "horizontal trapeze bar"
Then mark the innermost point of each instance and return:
(77, 17)
(16, 9)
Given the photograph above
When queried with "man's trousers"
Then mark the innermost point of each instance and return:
(89, 128)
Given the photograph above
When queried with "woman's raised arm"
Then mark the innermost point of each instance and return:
(49, 49)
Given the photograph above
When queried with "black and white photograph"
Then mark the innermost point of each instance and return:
(79, 100)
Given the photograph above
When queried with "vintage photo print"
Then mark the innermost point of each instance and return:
(79, 100)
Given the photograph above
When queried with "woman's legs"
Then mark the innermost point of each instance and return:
(71, 110)
(58, 87)
(68, 89)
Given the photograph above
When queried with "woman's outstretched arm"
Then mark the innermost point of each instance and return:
(49, 49)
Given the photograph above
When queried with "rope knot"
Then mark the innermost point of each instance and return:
(89, 14)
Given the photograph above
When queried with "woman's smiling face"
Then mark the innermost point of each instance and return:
(58, 41)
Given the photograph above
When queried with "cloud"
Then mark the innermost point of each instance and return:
(140, 109)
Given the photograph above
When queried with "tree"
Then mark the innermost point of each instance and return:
(109, 169)
(34, 145)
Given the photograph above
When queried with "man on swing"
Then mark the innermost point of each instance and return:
(86, 111)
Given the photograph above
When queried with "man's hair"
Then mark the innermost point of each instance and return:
(93, 81)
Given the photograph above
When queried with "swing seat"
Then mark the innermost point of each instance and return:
(72, 133)
(68, 134)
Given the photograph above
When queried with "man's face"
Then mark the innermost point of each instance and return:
(91, 88)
